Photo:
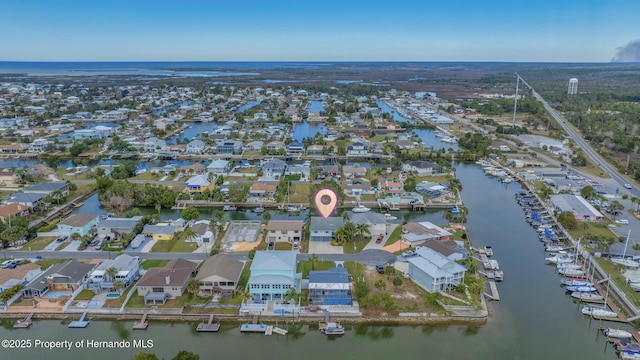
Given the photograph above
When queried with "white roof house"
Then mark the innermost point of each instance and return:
(433, 271)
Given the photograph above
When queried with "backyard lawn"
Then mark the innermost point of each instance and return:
(176, 245)
(395, 236)
(299, 193)
(85, 295)
(137, 301)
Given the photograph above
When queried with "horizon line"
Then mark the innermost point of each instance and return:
(321, 61)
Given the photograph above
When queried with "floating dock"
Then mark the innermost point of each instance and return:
(253, 328)
(209, 326)
(80, 323)
(24, 324)
(494, 291)
(279, 331)
(269, 330)
(142, 324)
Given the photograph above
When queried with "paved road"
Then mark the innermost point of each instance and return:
(101, 255)
(367, 257)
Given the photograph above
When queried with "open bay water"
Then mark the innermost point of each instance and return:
(534, 319)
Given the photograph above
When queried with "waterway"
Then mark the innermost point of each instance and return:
(535, 319)
(306, 129)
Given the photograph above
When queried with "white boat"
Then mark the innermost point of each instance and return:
(333, 328)
(571, 282)
(635, 286)
(259, 210)
(617, 333)
(629, 355)
(494, 264)
(558, 259)
(587, 296)
(625, 262)
(571, 272)
(488, 250)
(390, 217)
(449, 140)
(567, 266)
(598, 311)
(553, 248)
(498, 275)
(360, 209)
(586, 289)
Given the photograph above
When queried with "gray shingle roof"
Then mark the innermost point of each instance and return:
(328, 224)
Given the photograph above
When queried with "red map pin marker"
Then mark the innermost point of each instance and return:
(326, 201)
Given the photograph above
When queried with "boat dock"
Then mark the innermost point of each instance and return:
(269, 330)
(494, 291)
(80, 323)
(279, 331)
(253, 328)
(24, 324)
(142, 324)
(209, 326)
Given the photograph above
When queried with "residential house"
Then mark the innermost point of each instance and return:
(274, 168)
(376, 222)
(197, 184)
(322, 229)
(86, 134)
(46, 188)
(275, 146)
(273, 273)
(161, 283)
(160, 232)
(388, 187)
(290, 231)
(435, 272)
(41, 171)
(203, 232)
(421, 167)
(21, 275)
(218, 167)
(117, 227)
(30, 200)
(353, 171)
(255, 146)
(357, 149)
(78, 223)
(315, 150)
(192, 169)
(39, 145)
(260, 116)
(219, 274)
(295, 148)
(229, 147)
(66, 276)
(451, 249)
(359, 189)
(431, 189)
(330, 287)
(13, 210)
(195, 147)
(416, 233)
(127, 270)
(8, 177)
(153, 144)
(261, 190)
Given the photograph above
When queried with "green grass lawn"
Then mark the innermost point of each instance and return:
(176, 245)
(137, 301)
(39, 243)
(360, 244)
(395, 235)
(614, 271)
(283, 246)
(62, 246)
(368, 197)
(586, 228)
(117, 302)
(85, 295)
(354, 268)
(148, 175)
(148, 264)
(300, 193)
(46, 263)
(305, 266)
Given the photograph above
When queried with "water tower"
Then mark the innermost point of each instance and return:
(573, 86)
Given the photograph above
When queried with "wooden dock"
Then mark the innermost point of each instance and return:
(80, 323)
(494, 291)
(253, 328)
(208, 326)
(142, 324)
(24, 324)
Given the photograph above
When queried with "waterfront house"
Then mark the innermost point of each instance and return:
(86, 134)
(30, 200)
(260, 116)
(192, 169)
(420, 167)
(219, 274)
(8, 177)
(261, 190)
(433, 271)
(274, 168)
(197, 184)
(451, 249)
(275, 145)
(78, 223)
(39, 145)
(359, 189)
(218, 167)
(47, 188)
(315, 150)
(285, 231)
(330, 287)
(20, 275)
(158, 285)
(13, 210)
(302, 170)
(67, 276)
(202, 228)
(229, 147)
(160, 232)
(376, 222)
(322, 229)
(295, 148)
(357, 149)
(254, 146)
(116, 227)
(153, 144)
(195, 147)
(581, 209)
(431, 189)
(388, 187)
(416, 233)
(353, 171)
(273, 273)
(127, 270)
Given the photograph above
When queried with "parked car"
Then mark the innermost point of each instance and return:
(271, 245)
(628, 186)
(379, 239)
(623, 222)
(408, 253)
(380, 269)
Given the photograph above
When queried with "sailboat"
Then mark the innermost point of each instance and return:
(624, 261)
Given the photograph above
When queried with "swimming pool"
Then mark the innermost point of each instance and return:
(113, 295)
(55, 294)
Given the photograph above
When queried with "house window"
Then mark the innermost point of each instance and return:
(223, 283)
(215, 283)
(296, 231)
(283, 232)
(230, 283)
(157, 289)
(174, 288)
(264, 286)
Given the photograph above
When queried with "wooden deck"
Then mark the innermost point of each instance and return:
(80, 323)
(142, 324)
(208, 326)
(494, 291)
(24, 324)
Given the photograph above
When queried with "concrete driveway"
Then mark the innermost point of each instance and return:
(324, 247)
(73, 246)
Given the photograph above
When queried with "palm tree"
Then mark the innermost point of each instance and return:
(266, 216)
(292, 293)
(614, 207)
(189, 234)
(118, 285)
(158, 208)
(193, 286)
(635, 248)
(111, 273)
(313, 259)
(56, 195)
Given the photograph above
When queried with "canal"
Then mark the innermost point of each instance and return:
(535, 319)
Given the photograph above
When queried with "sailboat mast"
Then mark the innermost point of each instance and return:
(624, 254)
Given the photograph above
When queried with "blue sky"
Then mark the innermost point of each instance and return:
(328, 30)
